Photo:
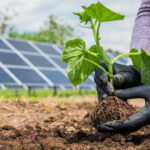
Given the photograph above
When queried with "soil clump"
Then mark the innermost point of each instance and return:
(110, 109)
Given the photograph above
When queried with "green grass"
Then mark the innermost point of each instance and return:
(13, 94)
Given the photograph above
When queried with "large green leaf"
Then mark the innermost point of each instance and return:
(78, 69)
(145, 67)
(136, 59)
(99, 12)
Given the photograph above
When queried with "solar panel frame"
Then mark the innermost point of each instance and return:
(11, 59)
(52, 75)
(39, 61)
(59, 62)
(46, 49)
(3, 45)
(33, 50)
(7, 78)
(21, 45)
(36, 80)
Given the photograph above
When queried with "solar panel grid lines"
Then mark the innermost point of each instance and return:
(2, 86)
(21, 45)
(10, 74)
(28, 62)
(57, 77)
(28, 76)
(3, 45)
(39, 61)
(11, 58)
(47, 48)
(48, 58)
(59, 62)
(57, 48)
(5, 51)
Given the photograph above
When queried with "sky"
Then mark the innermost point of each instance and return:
(31, 14)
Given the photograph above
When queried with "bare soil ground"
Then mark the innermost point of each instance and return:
(61, 124)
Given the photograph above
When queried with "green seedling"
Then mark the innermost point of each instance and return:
(81, 62)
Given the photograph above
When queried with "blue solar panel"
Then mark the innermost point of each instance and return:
(88, 81)
(22, 46)
(39, 61)
(3, 45)
(5, 78)
(61, 48)
(48, 49)
(27, 76)
(84, 87)
(56, 77)
(11, 59)
(59, 62)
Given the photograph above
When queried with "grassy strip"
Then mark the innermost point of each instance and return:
(6, 94)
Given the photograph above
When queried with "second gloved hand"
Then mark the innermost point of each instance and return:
(135, 121)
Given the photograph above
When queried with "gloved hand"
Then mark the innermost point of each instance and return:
(124, 77)
(135, 121)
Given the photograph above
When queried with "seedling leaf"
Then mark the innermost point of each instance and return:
(78, 69)
(99, 12)
(136, 59)
(84, 17)
(145, 67)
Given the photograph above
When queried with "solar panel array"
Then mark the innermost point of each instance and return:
(25, 64)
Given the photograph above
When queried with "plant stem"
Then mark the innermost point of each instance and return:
(91, 53)
(122, 55)
(94, 30)
(109, 62)
(110, 69)
(97, 37)
(92, 62)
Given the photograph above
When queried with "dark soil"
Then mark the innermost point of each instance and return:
(57, 124)
(111, 108)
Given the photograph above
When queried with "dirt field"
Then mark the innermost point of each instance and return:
(60, 124)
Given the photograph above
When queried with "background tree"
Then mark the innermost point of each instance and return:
(6, 21)
(52, 32)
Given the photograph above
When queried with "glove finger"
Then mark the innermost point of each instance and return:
(135, 92)
(101, 93)
(101, 78)
(109, 88)
(111, 127)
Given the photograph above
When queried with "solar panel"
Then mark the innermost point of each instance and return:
(3, 45)
(56, 77)
(39, 61)
(22, 46)
(37, 70)
(5, 78)
(48, 49)
(11, 59)
(27, 76)
(61, 48)
(59, 62)
(88, 81)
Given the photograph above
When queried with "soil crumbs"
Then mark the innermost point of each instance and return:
(111, 108)
(51, 124)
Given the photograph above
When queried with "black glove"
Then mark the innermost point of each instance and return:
(135, 121)
(124, 77)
